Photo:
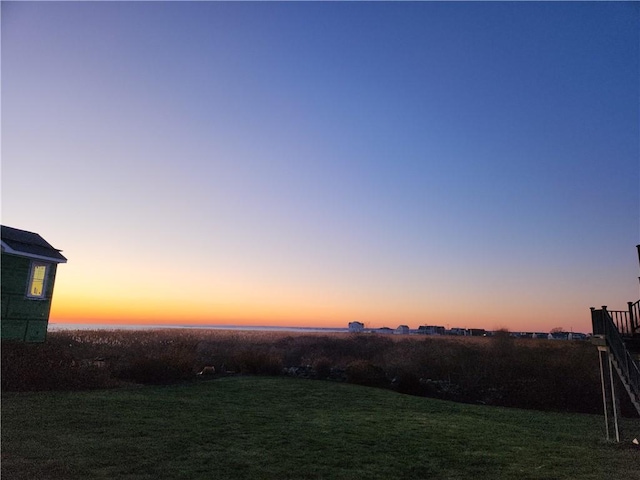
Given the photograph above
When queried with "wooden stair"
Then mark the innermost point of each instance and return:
(616, 333)
(624, 349)
(617, 336)
(634, 393)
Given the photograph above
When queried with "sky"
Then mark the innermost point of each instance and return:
(310, 164)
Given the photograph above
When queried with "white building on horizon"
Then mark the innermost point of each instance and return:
(356, 327)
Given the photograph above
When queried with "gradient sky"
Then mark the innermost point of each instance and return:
(311, 164)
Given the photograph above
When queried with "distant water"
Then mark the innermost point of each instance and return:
(56, 327)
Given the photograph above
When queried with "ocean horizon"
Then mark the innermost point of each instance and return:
(53, 327)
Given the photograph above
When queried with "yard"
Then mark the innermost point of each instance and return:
(248, 427)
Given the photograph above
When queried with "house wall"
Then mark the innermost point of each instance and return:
(23, 319)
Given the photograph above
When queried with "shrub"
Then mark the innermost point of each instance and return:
(157, 370)
(408, 382)
(322, 367)
(526, 373)
(48, 366)
(258, 363)
(363, 372)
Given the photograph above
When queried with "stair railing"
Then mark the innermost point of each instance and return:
(634, 313)
(604, 324)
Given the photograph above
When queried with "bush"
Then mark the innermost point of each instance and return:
(409, 383)
(258, 363)
(362, 372)
(49, 366)
(158, 370)
(322, 367)
(539, 374)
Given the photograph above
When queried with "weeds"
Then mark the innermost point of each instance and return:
(534, 374)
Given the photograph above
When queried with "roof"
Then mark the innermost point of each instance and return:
(28, 244)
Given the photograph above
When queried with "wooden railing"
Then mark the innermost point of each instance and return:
(605, 324)
(615, 332)
(627, 321)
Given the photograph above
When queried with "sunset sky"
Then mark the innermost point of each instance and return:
(310, 164)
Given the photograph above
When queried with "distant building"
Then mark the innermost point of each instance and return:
(458, 331)
(356, 327)
(578, 336)
(559, 335)
(386, 330)
(431, 330)
(29, 266)
(477, 332)
(403, 330)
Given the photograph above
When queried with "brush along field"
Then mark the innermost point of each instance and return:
(502, 371)
(251, 427)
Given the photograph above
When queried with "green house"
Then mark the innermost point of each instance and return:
(28, 273)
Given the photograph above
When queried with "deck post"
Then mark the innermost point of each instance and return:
(638, 247)
(603, 352)
(609, 399)
(614, 401)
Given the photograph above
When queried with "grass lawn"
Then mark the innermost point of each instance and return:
(279, 428)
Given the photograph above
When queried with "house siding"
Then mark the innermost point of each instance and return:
(23, 319)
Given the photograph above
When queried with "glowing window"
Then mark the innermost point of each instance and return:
(37, 280)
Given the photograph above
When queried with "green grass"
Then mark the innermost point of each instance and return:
(279, 428)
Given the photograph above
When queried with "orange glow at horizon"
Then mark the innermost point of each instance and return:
(168, 312)
(186, 294)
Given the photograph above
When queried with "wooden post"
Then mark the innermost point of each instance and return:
(605, 404)
(609, 399)
(614, 400)
(638, 247)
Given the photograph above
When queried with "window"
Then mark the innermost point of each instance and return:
(37, 281)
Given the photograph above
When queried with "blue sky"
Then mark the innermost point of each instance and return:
(471, 164)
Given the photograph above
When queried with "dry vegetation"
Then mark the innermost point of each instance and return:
(536, 374)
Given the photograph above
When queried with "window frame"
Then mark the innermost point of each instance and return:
(34, 265)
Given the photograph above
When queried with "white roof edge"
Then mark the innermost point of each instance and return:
(7, 249)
